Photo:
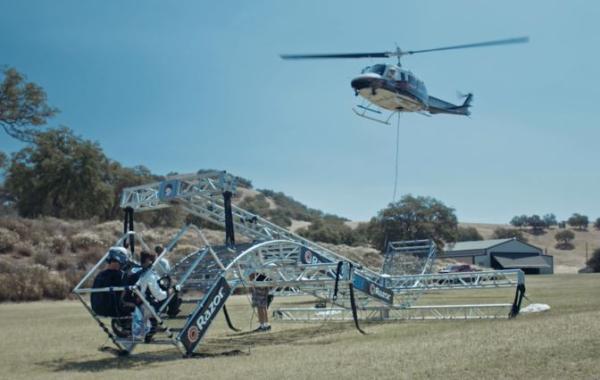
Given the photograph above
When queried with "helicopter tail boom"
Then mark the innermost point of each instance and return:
(437, 105)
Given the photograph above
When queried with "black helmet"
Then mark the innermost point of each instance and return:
(118, 254)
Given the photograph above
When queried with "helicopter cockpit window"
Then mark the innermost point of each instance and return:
(377, 69)
(391, 73)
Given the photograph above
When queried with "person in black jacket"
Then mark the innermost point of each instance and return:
(107, 303)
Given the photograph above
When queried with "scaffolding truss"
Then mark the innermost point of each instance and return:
(288, 264)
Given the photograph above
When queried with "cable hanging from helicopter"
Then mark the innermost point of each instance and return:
(389, 87)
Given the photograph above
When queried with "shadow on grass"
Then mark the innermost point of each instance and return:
(135, 360)
(564, 246)
(231, 345)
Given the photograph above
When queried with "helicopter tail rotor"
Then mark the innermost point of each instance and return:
(468, 99)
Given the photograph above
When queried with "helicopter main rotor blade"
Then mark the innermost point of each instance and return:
(327, 56)
(507, 41)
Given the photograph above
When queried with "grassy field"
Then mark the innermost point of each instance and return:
(59, 340)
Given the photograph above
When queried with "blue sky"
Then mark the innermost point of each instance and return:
(183, 85)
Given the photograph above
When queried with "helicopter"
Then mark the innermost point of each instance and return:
(392, 88)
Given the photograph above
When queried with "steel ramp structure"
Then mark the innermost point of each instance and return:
(289, 264)
(205, 278)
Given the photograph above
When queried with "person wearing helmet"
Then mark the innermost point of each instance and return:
(108, 303)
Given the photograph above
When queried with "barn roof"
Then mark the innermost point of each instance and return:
(475, 245)
(509, 261)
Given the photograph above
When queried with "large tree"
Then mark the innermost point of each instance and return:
(22, 106)
(564, 239)
(519, 221)
(579, 221)
(60, 175)
(413, 218)
(550, 220)
(508, 233)
(468, 234)
(536, 223)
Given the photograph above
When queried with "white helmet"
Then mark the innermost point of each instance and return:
(118, 254)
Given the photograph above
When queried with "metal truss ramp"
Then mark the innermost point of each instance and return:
(288, 265)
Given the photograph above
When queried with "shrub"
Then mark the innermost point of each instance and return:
(56, 287)
(18, 225)
(62, 264)
(90, 257)
(58, 244)
(564, 239)
(24, 248)
(508, 233)
(42, 258)
(31, 283)
(332, 231)
(73, 276)
(27, 282)
(257, 204)
(280, 218)
(85, 241)
(594, 261)
(467, 234)
(597, 224)
(7, 239)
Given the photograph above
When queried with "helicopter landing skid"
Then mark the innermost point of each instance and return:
(363, 113)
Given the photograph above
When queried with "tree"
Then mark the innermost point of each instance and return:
(508, 233)
(536, 223)
(467, 234)
(60, 175)
(594, 261)
(519, 221)
(3, 160)
(550, 220)
(597, 224)
(564, 239)
(579, 221)
(330, 231)
(22, 105)
(413, 218)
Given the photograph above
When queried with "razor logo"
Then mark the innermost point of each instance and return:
(308, 256)
(207, 315)
(376, 291)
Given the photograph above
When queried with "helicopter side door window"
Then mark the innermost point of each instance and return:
(391, 74)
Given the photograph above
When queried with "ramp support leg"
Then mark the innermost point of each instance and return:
(229, 230)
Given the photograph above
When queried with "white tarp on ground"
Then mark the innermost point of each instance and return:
(535, 308)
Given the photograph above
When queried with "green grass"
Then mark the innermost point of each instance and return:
(59, 340)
